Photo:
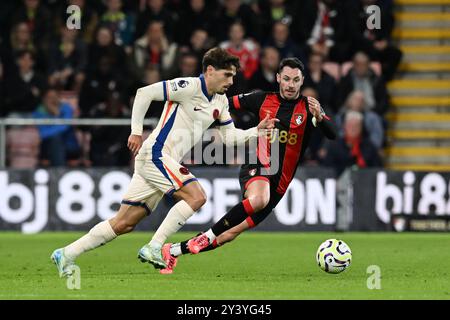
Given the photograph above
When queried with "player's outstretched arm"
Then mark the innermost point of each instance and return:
(233, 136)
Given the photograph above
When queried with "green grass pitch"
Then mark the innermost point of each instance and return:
(255, 266)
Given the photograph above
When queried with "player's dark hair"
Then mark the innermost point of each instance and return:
(293, 63)
(220, 59)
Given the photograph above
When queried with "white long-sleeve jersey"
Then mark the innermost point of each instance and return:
(187, 113)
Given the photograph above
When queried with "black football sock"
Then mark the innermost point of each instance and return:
(184, 247)
(185, 250)
(235, 216)
(232, 218)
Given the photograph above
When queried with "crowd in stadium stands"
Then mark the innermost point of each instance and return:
(48, 70)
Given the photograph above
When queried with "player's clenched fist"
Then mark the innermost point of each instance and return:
(134, 143)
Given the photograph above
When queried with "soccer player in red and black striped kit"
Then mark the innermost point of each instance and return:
(297, 115)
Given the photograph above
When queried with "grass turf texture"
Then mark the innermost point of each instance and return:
(254, 266)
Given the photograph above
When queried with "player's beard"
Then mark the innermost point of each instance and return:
(290, 95)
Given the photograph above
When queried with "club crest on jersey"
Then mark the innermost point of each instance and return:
(184, 170)
(216, 114)
(252, 172)
(183, 83)
(298, 119)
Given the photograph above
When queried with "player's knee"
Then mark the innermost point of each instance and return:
(197, 201)
(200, 201)
(259, 201)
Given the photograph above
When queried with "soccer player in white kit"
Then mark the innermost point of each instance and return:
(191, 104)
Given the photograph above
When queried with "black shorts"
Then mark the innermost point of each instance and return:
(247, 175)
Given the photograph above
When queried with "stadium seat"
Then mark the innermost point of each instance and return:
(22, 147)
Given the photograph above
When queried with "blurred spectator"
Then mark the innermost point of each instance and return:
(323, 82)
(120, 23)
(105, 150)
(377, 42)
(232, 11)
(24, 88)
(373, 124)
(58, 142)
(282, 41)
(362, 77)
(7, 10)
(155, 49)
(105, 79)
(199, 43)
(36, 46)
(354, 149)
(265, 77)
(156, 11)
(20, 40)
(88, 18)
(67, 61)
(276, 10)
(151, 76)
(105, 47)
(326, 26)
(189, 65)
(197, 15)
(247, 50)
(37, 17)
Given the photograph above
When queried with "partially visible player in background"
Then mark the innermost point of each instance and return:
(298, 116)
(192, 105)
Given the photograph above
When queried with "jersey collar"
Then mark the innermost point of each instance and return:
(204, 90)
(289, 101)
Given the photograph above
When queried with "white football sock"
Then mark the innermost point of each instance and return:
(100, 234)
(175, 250)
(174, 220)
(211, 236)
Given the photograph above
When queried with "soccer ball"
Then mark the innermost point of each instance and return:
(334, 256)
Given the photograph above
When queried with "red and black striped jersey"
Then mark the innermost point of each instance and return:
(294, 129)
